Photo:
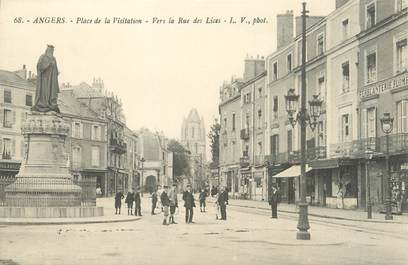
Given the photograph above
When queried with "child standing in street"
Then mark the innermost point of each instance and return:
(118, 201)
(165, 201)
(202, 197)
(129, 201)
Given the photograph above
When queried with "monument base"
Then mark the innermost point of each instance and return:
(50, 212)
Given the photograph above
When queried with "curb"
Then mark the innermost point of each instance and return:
(325, 216)
(68, 222)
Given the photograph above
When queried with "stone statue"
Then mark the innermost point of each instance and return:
(47, 83)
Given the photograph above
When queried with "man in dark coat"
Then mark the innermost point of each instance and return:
(165, 202)
(154, 201)
(118, 201)
(130, 197)
(189, 204)
(46, 95)
(138, 202)
(273, 200)
(222, 202)
(202, 197)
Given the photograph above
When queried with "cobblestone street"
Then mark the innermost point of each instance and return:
(249, 236)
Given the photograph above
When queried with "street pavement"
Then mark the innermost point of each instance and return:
(249, 236)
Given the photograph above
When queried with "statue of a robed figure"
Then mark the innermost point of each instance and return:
(46, 97)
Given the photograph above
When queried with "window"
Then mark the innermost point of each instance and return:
(275, 104)
(275, 145)
(192, 130)
(247, 98)
(77, 130)
(247, 120)
(345, 127)
(95, 156)
(346, 76)
(289, 62)
(275, 71)
(6, 151)
(96, 133)
(320, 134)
(7, 96)
(259, 118)
(76, 157)
(321, 87)
(345, 29)
(401, 5)
(29, 100)
(7, 118)
(402, 116)
(259, 148)
(371, 122)
(233, 121)
(370, 15)
(371, 73)
(260, 92)
(299, 45)
(320, 44)
(402, 56)
(290, 139)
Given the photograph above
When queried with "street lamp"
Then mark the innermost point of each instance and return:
(387, 125)
(142, 160)
(303, 117)
(369, 156)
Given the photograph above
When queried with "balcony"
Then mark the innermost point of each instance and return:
(117, 146)
(398, 144)
(259, 160)
(293, 157)
(245, 134)
(244, 161)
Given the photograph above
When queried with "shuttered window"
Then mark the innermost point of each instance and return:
(402, 116)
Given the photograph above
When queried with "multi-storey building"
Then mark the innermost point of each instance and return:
(17, 93)
(242, 139)
(155, 160)
(230, 141)
(132, 158)
(109, 108)
(86, 145)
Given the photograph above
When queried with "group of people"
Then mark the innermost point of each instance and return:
(131, 198)
(166, 200)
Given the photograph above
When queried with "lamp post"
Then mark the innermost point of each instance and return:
(303, 117)
(369, 156)
(142, 160)
(387, 125)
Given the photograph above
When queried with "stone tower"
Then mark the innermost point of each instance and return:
(193, 134)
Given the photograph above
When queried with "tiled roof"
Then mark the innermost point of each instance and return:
(68, 104)
(8, 77)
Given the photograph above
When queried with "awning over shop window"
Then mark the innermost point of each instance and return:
(293, 171)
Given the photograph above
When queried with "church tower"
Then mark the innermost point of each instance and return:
(193, 134)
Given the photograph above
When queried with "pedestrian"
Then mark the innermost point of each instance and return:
(223, 202)
(154, 201)
(130, 197)
(118, 201)
(165, 201)
(214, 191)
(173, 203)
(138, 203)
(273, 200)
(202, 197)
(98, 191)
(159, 192)
(189, 204)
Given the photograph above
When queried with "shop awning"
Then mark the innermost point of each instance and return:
(293, 171)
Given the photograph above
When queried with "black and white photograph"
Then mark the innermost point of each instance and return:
(204, 132)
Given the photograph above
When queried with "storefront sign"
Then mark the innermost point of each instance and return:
(380, 87)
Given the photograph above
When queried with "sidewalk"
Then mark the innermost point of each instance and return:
(339, 214)
(108, 217)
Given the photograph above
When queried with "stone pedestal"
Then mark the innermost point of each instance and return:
(44, 179)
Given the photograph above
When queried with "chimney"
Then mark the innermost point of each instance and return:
(22, 73)
(340, 3)
(253, 67)
(284, 29)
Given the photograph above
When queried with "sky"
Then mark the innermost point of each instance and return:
(160, 71)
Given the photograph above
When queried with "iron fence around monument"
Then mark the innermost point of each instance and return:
(5, 180)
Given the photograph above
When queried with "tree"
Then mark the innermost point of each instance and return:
(214, 136)
(181, 162)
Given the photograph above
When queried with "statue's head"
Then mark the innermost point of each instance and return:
(49, 50)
